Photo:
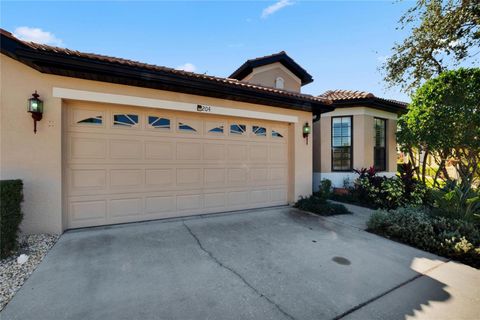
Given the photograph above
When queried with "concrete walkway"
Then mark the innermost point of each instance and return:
(277, 263)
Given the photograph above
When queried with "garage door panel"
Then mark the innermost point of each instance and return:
(215, 177)
(190, 177)
(258, 175)
(160, 204)
(238, 198)
(160, 178)
(189, 151)
(125, 207)
(126, 178)
(88, 211)
(259, 153)
(88, 148)
(214, 151)
(237, 152)
(126, 149)
(88, 179)
(259, 196)
(214, 200)
(237, 176)
(160, 150)
(190, 202)
(278, 153)
(278, 175)
(278, 195)
(183, 166)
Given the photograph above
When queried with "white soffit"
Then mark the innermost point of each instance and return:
(166, 104)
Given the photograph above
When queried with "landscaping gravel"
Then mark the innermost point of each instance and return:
(14, 274)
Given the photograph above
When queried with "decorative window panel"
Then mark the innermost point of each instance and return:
(158, 122)
(182, 126)
(276, 134)
(125, 120)
(238, 129)
(342, 143)
(259, 131)
(91, 120)
(87, 117)
(215, 127)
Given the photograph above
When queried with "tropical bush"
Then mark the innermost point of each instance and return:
(453, 238)
(11, 197)
(457, 201)
(317, 203)
(375, 191)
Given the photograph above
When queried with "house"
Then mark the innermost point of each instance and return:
(359, 133)
(120, 141)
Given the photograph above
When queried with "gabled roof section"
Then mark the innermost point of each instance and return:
(90, 66)
(349, 98)
(282, 57)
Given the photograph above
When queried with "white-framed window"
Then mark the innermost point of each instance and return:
(279, 83)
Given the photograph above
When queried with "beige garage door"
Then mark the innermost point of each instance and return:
(130, 164)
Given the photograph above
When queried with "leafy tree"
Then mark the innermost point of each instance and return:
(443, 120)
(444, 34)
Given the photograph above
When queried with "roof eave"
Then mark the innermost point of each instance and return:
(377, 103)
(80, 67)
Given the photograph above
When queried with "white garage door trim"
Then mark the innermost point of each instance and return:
(166, 104)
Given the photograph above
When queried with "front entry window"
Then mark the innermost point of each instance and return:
(379, 149)
(342, 143)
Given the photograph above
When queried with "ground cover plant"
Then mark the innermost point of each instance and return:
(449, 237)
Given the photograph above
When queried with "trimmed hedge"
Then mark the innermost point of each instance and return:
(451, 238)
(11, 197)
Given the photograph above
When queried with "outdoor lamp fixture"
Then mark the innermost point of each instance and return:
(306, 131)
(35, 107)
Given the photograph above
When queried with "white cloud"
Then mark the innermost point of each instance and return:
(187, 67)
(275, 7)
(37, 35)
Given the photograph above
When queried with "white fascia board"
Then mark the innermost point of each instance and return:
(93, 96)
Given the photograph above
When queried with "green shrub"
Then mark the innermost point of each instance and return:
(11, 197)
(452, 238)
(319, 205)
(324, 190)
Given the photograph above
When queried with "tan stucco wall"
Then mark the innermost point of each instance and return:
(37, 159)
(266, 76)
(363, 138)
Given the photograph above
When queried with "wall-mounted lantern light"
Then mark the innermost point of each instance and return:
(306, 131)
(35, 107)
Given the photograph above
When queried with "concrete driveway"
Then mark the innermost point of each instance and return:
(277, 263)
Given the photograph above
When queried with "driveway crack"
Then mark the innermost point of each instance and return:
(238, 275)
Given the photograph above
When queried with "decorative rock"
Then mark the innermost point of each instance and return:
(22, 259)
(15, 271)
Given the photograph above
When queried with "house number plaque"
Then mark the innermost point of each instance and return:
(201, 108)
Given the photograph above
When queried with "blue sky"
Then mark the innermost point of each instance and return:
(341, 43)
